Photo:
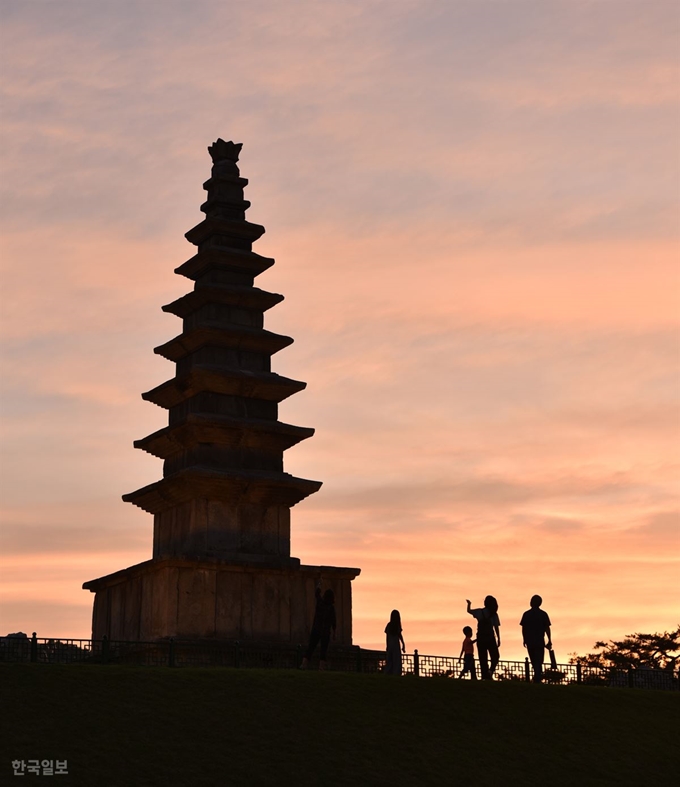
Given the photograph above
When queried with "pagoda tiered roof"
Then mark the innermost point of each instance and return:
(258, 385)
(233, 486)
(229, 294)
(237, 337)
(224, 443)
(230, 432)
(237, 261)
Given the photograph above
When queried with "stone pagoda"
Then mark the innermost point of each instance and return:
(221, 566)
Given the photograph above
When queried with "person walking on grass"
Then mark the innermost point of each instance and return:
(535, 625)
(394, 637)
(324, 623)
(467, 651)
(488, 635)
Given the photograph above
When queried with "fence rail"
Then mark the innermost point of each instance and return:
(185, 653)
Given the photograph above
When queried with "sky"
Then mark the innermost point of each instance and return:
(474, 211)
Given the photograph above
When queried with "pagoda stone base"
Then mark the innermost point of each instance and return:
(202, 599)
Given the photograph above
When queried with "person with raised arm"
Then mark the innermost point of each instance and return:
(488, 635)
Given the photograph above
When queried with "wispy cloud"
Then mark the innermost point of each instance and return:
(473, 207)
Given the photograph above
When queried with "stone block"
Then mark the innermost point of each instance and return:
(196, 603)
(228, 600)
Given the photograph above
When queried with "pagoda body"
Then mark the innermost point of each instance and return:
(221, 566)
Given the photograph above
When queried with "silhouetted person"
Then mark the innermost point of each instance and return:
(394, 637)
(535, 625)
(468, 651)
(488, 635)
(324, 623)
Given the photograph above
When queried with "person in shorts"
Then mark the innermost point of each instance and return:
(467, 653)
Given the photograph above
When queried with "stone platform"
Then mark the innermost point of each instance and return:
(256, 601)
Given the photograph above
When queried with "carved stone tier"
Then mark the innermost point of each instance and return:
(258, 385)
(234, 486)
(229, 294)
(224, 234)
(239, 338)
(225, 266)
(232, 432)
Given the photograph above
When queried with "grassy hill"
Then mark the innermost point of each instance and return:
(129, 726)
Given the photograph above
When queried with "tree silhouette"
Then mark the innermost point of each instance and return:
(655, 651)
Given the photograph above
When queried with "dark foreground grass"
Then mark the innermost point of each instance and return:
(128, 726)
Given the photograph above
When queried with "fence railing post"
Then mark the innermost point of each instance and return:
(34, 648)
(358, 664)
(171, 652)
(579, 672)
(416, 664)
(631, 682)
(237, 654)
(298, 655)
(527, 674)
(105, 649)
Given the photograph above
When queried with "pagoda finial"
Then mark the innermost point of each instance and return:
(224, 151)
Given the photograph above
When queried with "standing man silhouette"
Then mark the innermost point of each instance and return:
(535, 625)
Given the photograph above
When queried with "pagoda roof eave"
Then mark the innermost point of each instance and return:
(236, 228)
(237, 563)
(230, 294)
(236, 337)
(256, 385)
(234, 486)
(222, 430)
(234, 260)
(228, 202)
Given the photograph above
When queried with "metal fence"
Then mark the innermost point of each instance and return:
(185, 653)
(563, 675)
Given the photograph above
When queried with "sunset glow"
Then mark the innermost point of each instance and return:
(473, 207)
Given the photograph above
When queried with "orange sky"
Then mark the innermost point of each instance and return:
(474, 211)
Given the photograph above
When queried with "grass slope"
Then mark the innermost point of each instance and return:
(129, 726)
